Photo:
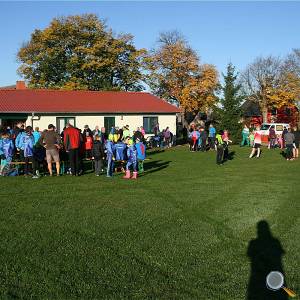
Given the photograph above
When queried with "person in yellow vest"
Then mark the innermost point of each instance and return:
(220, 148)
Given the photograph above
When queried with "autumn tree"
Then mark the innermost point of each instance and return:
(174, 73)
(259, 78)
(230, 112)
(271, 82)
(80, 52)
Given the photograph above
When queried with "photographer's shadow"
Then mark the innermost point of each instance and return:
(265, 253)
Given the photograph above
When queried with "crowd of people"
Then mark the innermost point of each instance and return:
(289, 140)
(33, 149)
(119, 147)
(203, 140)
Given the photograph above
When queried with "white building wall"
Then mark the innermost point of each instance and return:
(43, 122)
(167, 121)
(133, 121)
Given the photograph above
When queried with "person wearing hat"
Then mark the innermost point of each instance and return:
(87, 129)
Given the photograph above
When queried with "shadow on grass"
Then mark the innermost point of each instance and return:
(155, 166)
(228, 156)
(154, 151)
(265, 253)
(283, 154)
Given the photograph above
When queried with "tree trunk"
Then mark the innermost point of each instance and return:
(184, 121)
(264, 112)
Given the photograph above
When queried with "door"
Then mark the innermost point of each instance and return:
(63, 121)
(109, 122)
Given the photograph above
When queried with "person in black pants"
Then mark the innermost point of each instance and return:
(203, 137)
(72, 141)
(296, 133)
(220, 148)
(98, 155)
(74, 161)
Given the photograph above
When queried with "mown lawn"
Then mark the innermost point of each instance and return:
(180, 232)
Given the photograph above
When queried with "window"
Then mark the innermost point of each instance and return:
(265, 127)
(279, 127)
(109, 122)
(63, 121)
(149, 123)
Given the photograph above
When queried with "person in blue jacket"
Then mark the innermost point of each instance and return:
(26, 143)
(19, 144)
(110, 157)
(212, 136)
(141, 155)
(131, 159)
(36, 135)
(120, 150)
(6, 150)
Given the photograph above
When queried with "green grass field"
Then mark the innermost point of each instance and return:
(181, 231)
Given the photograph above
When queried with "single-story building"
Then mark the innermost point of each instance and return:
(40, 107)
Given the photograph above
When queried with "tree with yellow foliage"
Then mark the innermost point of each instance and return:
(80, 52)
(175, 74)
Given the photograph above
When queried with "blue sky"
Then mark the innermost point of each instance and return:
(219, 31)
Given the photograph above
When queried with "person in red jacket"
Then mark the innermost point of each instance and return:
(72, 144)
(88, 145)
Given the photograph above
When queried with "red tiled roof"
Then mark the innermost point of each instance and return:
(57, 101)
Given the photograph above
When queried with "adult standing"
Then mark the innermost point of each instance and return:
(289, 139)
(285, 131)
(212, 136)
(167, 136)
(96, 132)
(51, 141)
(245, 136)
(87, 129)
(156, 130)
(72, 145)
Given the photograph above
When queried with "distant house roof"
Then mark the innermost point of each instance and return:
(9, 87)
(250, 109)
(58, 101)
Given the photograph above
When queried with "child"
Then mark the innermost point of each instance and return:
(251, 138)
(36, 135)
(19, 144)
(220, 148)
(195, 135)
(39, 154)
(257, 143)
(280, 141)
(141, 155)
(110, 157)
(88, 145)
(98, 155)
(26, 143)
(226, 141)
(131, 159)
(121, 154)
(6, 150)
